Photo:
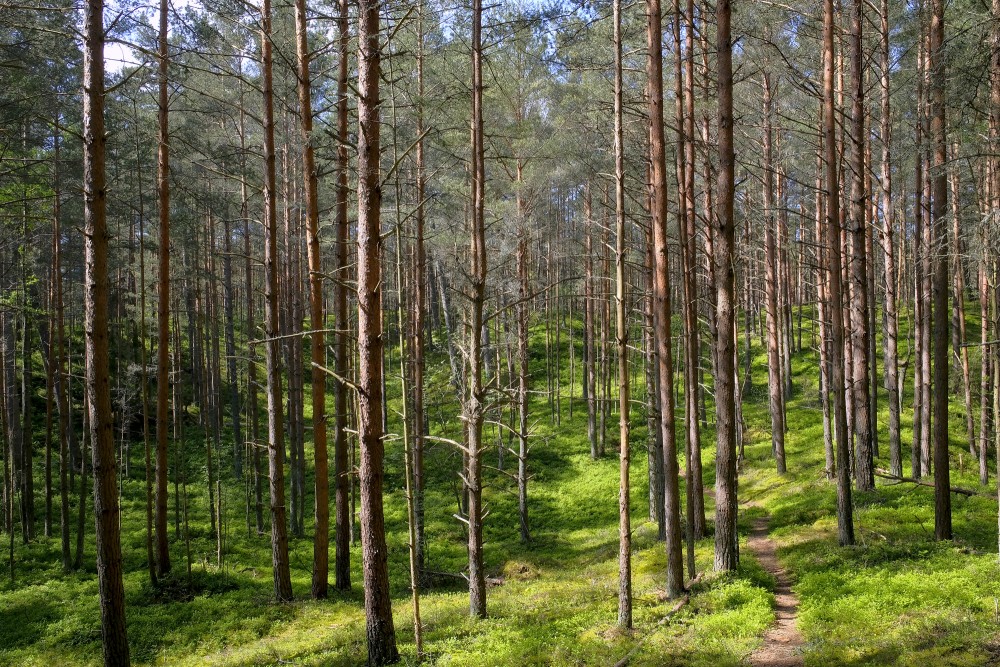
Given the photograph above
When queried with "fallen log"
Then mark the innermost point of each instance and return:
(910, 480)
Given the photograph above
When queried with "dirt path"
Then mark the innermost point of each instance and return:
(782, 643)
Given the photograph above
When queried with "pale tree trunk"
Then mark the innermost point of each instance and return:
(891, 317)
(661, 300)
(726, 538)
(958, 305)
(272, 357)
(523, 379)
(621, 333)
(419, 305)
(822, 310)
(97, 382)
(589, 323)
(379, 629)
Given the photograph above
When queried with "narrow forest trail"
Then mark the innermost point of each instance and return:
(782, 642)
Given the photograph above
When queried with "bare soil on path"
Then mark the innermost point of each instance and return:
(782, 644)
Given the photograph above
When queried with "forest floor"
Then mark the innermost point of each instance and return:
(897, 598)
(782, 645)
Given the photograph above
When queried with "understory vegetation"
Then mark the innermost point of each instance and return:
(897, 598)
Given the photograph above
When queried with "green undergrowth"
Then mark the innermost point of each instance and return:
(897, 598)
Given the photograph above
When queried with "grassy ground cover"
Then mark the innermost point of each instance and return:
(895, 599)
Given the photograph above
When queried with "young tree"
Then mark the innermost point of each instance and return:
(621, 333)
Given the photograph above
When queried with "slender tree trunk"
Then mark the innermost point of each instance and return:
(845, 521)
(97, 385)
(891, 317)
(661, 300)
(61, 389)
(476, 391)
(621, 333)
(589, 324)
(163, 302)
(419, 306)
(344, 514)
(321, 539)
(774, 370)
(958, 304)
(272, 357)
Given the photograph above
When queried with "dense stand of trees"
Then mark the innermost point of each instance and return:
(418, 190)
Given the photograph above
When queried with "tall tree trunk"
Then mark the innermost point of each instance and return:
(474, 407)
(419, 306)
(379, 628)
(272, 356)
(776, 401)
(621, 333)
(942, 365)
(344, 514)
(891, 317)
(321, 539)
(694, 484)
(860, 333)
(845, 521)
(97, 384)
(726, 537)
(958, 303)
(661, 299)
(163, 302)
(61, 389)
